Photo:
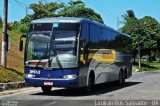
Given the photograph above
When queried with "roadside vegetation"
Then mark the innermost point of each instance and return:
(146, 66)
(145, 33)
(14, 71)
(10, 75)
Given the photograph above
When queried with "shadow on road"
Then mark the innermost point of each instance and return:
(98, 89)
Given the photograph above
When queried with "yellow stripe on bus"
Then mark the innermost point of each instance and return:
(107, 58)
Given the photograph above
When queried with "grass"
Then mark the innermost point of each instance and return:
(15, 67)
(146, 66)
(9, 75)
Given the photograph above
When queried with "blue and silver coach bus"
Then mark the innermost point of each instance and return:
(75, 52)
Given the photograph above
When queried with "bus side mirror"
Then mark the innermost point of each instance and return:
(21, 43)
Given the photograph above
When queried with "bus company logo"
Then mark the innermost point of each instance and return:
(108, 56)
(34, 71)
(105, 56)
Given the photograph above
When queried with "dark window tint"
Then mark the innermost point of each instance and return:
(56, 26)
(94, 33)
(41, 27)
(66, 27)
(85, 32)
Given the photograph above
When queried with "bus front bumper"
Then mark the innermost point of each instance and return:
(60, 82)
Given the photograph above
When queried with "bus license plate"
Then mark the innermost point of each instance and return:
(48, 83)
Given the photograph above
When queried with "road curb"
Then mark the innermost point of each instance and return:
(12, 85)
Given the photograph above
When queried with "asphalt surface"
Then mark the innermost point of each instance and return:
(141, 86)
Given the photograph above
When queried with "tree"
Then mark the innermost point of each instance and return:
(151, 30)
(129, 14)
(132, 27)
(27, 19)
(53, 9)
(78, 9)
(152, 35)
(145, 33)
(75, 2)
(42, 10)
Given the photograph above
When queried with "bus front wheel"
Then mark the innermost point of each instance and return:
(46, 89)
(90, 85)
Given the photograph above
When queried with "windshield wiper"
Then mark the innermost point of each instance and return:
(57, 58)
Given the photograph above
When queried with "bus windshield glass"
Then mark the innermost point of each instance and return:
(56, 43)
(38, 46)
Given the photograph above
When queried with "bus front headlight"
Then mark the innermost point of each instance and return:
(30, 75)
(72, 76)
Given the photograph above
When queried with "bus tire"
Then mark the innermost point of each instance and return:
(121, 80)
(90, 85)
(46, 89)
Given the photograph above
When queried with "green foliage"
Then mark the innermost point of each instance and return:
(15, 67)
(23, 28)
(145, 32)
(20, 28)
(1, 22)
(151, 32)
(146, 66)
(129, 14)
(133, 28)
(42, 10)
(76, 3)
(78, 9)
(27, 19)
(10, 75)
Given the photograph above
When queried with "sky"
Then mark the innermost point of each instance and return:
(110, 10)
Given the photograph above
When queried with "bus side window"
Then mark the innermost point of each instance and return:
(84, 43)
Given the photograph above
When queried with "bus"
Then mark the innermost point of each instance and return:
(75, 52)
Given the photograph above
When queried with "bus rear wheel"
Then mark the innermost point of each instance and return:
(46, 89)
(121, 80)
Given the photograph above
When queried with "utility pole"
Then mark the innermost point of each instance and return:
(4, 35)
(139, 56)
(21, 3)
(139, 49)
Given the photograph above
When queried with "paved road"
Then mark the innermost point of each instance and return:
(141, 86)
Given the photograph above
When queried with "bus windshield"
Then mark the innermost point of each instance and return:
(38, 46)
(57, 43)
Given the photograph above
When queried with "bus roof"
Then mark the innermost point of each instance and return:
(59, 19)
(73, 20)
